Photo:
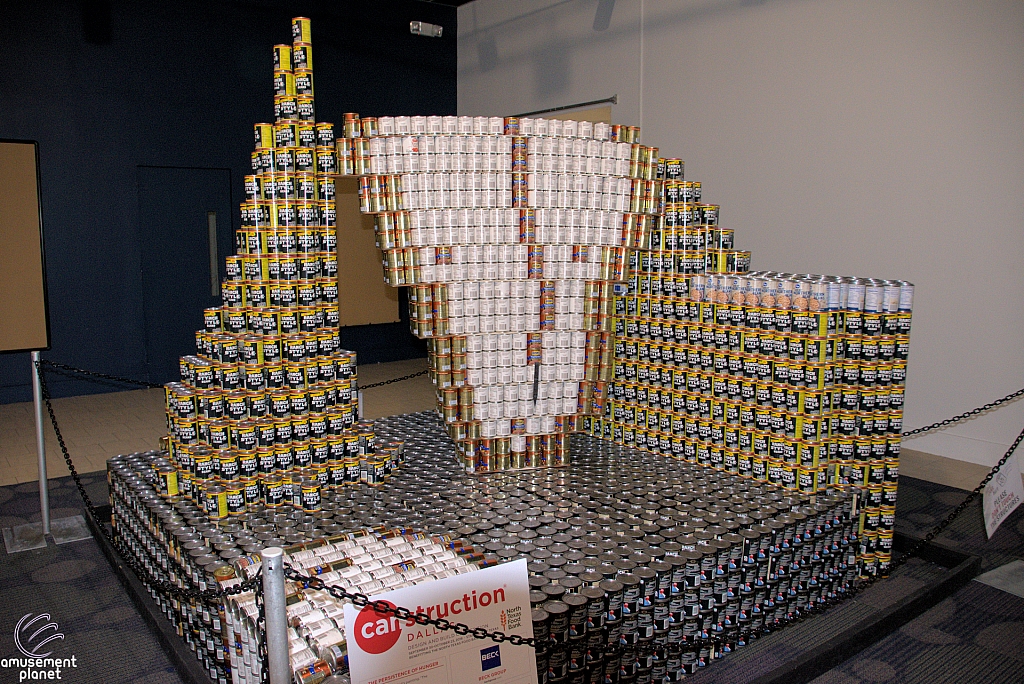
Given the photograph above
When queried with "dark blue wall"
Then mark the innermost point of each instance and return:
(179, 84)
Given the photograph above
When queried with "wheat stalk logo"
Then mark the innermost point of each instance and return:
(25, 644)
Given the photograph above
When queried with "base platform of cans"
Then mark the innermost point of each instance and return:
(643, 568)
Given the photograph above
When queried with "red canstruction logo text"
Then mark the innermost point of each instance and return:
(378, 632)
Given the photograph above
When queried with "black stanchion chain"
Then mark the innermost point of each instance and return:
(938, 529)
(964, 416)
(361, 600)
(71, 371)
(93, 374)
(162, 586)
(261, 635)
(388, 382)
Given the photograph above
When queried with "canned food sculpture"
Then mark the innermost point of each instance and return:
(741, 460)
(509, 235)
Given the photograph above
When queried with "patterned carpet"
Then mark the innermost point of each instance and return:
(977, 635)
(74, 584)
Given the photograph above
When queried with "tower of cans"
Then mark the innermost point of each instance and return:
(792, 379)
(265, 414)
(509, 235)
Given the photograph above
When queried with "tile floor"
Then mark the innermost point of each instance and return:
(98, 426)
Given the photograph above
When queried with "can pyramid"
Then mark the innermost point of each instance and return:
(266, 412)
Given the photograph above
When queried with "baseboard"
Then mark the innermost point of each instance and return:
(941, 469)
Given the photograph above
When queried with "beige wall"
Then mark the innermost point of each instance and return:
(855, 137)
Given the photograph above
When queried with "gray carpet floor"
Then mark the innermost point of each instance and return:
(976, 635)
(74, 584)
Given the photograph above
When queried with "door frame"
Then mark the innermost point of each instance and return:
(138, 234)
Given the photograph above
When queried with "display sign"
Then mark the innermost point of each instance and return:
(1003, 494)
(383, 649)
(24, 316)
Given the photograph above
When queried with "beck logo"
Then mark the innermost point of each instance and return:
(490, 658)
(376, 632)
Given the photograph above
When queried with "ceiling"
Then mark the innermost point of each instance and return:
(449, 3)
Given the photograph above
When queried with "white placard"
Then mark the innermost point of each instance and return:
(1003, 494)
(385, 650)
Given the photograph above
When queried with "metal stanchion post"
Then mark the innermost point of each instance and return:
(31, 536)
(63, 530)
(44, 489)
(276, 616)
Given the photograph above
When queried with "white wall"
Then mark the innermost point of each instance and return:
(853, 137)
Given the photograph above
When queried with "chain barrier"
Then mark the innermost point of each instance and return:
(938, 529)
(963, 416)
(261, 633)
(361, 600)
(159, 585)
(388, 382)
(71, 372)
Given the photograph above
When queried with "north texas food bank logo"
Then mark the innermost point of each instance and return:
(376, 633)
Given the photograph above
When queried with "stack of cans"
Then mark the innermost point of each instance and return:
(643, 568)
(796, 380)
(184, 543)
(510, 234)
(266, 410)
(499, 228)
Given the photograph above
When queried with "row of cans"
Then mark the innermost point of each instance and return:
(403, 267)
(356, 126)
(367, 126)
(291, 418)
(279, 186)
(711, 372)
(520, 452)
(856, 453)
(465, 227)
(290, 133)
(807, 292)
(692, 237)
(698, 345)
(398, 153)
(266, 369)
(287, 487)
(464, 242)
(299, 213)
(291, 158)
(286, 276)
(692, 262)
(503, 190)
(659, 310)
(737, 424)
(280, 317)
(267, 345)
(740, 404)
